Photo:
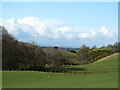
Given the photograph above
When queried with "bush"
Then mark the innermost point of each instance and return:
(98, 54)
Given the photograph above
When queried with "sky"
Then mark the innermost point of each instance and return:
(64, 24)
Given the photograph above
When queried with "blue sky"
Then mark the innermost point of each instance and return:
(69, 24)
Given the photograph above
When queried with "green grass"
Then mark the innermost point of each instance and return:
(108, 65)
(102, 74)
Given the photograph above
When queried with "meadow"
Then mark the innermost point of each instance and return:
(102, 74)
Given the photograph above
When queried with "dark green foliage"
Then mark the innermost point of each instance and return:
(116, 47)
(82, 55)
(95, 55)
(94, 47)
(18, 55)
(9, 51)
(40, 58)
(69, 57)
(71, 50)
(56, 47)
(32, 56)
(109, 46)
(86, 55)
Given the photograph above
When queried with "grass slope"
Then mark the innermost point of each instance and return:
(102, 74)
(106, 65)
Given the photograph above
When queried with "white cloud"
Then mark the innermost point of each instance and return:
(70, 36)
(1, 21)
(84, 35)
(12, 26)
(36, 27)
(90, 34)
(105, 31)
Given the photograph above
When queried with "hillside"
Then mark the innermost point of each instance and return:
(102, 74)
(108, 64)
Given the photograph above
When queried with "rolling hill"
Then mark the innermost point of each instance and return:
(102, 74)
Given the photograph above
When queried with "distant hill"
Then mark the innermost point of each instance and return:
(63, 48)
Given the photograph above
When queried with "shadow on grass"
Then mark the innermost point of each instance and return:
(63, 69)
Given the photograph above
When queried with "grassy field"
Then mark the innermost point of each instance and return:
(103, 74)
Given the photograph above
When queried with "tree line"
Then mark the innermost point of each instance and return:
(18, 55)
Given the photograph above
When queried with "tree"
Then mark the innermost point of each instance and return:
(82, 54)
(69, 57)
(26, 54)
(19, 55)
(9, 51)
(33, 57)
(54, 57)
(94, 47)
(115, 47)
(56, 47)
(40, 58)
(109, 46)
(0, 48)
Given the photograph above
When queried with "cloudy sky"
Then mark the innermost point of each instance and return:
(65, 24)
